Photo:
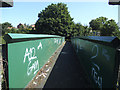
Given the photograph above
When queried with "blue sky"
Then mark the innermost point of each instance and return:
(82, 12)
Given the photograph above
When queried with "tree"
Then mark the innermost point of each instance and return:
(6, 25)
(78, 29)
(55, 19)
(21, 27)
(105, 26)
(109, 28)
(98, 23)
(87, 31)
(116, 33)
(94, 24)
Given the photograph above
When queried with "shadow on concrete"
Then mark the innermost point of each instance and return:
(67, 72)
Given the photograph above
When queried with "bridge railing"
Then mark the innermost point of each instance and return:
(99, 57)
(26, 54)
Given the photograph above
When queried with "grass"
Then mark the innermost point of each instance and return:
(2, 41)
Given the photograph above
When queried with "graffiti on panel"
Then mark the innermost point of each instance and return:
(31, 58)
(105, 54)
(57, 41)
(95, 68)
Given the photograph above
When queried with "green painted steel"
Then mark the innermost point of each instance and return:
(107, 39)
(98, 60)
(14, 37)
(23, 36)
(26, 58)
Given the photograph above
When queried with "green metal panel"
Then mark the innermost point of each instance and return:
(98, 60)
(23, 36)
(14, 37)
(107, 39)
(26, 58)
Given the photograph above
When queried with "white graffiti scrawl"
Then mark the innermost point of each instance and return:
(31, 58)
(95, 68)
(39, 46)
(57, 41)
(33, 64)
(105, 54)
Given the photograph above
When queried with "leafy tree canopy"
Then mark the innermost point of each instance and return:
(109, 28)
(105, 26)
(98, 23)
(6, 25)
(55, 19)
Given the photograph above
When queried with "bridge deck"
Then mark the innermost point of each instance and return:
(67, 72)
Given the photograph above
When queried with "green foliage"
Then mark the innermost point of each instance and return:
(97, 24)
(6, 25)
(55, 19)
(116, 33)
(108, 28)
(2, 41)
(13, 30)
(78, 30)
(105, 26)
(22, 29)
